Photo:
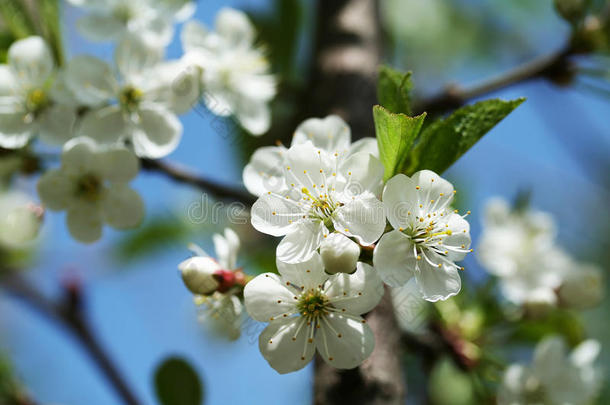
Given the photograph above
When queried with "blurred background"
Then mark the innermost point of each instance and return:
(556, 145)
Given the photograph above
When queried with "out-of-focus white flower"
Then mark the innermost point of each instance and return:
(308, 310)
(27, 100)
(327, 192)
(140, 106)
(519, 247)
(554, 378)
(235, 73)
(582, 286)
(20, 219)
(222, 312)
(428, 237)
(92, 187)
(152, 20)
(215, 283)
(339, 253)
(265, 171)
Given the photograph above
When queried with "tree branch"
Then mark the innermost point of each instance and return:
(70, 314)
(555, 66)
(185, 176)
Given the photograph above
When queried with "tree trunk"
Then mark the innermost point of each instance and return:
(347, 54)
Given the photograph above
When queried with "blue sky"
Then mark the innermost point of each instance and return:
(143, 313)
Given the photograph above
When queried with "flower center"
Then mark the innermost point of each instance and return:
(36, 100)
(312, 304)
(89, 187)
(322, 207)
(130, 98)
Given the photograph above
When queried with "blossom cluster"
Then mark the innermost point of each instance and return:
(131, 105)
(519, 246)
(345, 233)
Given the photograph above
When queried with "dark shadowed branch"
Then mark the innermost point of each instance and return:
(69, 312)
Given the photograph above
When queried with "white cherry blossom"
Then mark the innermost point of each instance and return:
(216, 283)
(92, 187)
(582, 286)
(265, 170)
(519, 247)
(428, 236)
(325, 193)
(28, 105)
(554, 377)
(152, 20)
(235, 73)
(139, 106)
(309, 310)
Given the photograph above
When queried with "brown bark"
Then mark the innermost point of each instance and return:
(347, 54)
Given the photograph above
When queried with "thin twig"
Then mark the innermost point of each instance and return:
(555, 66)
(69, 312)
(185, 176)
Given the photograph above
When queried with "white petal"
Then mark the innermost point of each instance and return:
(275, 215)
(261, 296)
(585, 353)
(156, 31)
(61, 93)
(253, 115)
(159, 132)
(307, 274)
(357, 293)
(331, 133)
(364, 173)
(91, 80)
(134, 56)
(78, 155)
(339, 253)
(84, 222)
(433, 187)
(117, 164)
(15, 131)
(174, 84)
(235, 27)
(400, 199)
(57, 124)
(306, 167)
(9, 84)
(362, 218)
(409, 306)
(437, 283)
(100, 27)
(105, 125)
(458, 238)
(549, 356)
(55, 190)
(301, 243)
(265, 171)
(394, 258)
(284, 344)
(31, 60)
(367, 145)
(123, 207)
(193, 36)
(226, 248)
(352, 348)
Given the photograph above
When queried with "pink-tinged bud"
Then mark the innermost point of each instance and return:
(226, 279)
(198, 274)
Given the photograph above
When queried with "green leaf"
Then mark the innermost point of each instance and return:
(177, 383)
(17, 18)
(395, 136)
(393, 90)
(445, 140)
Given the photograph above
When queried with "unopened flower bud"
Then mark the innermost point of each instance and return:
(339, 253)
(198, 274)
(20, 219)
(582, 288)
